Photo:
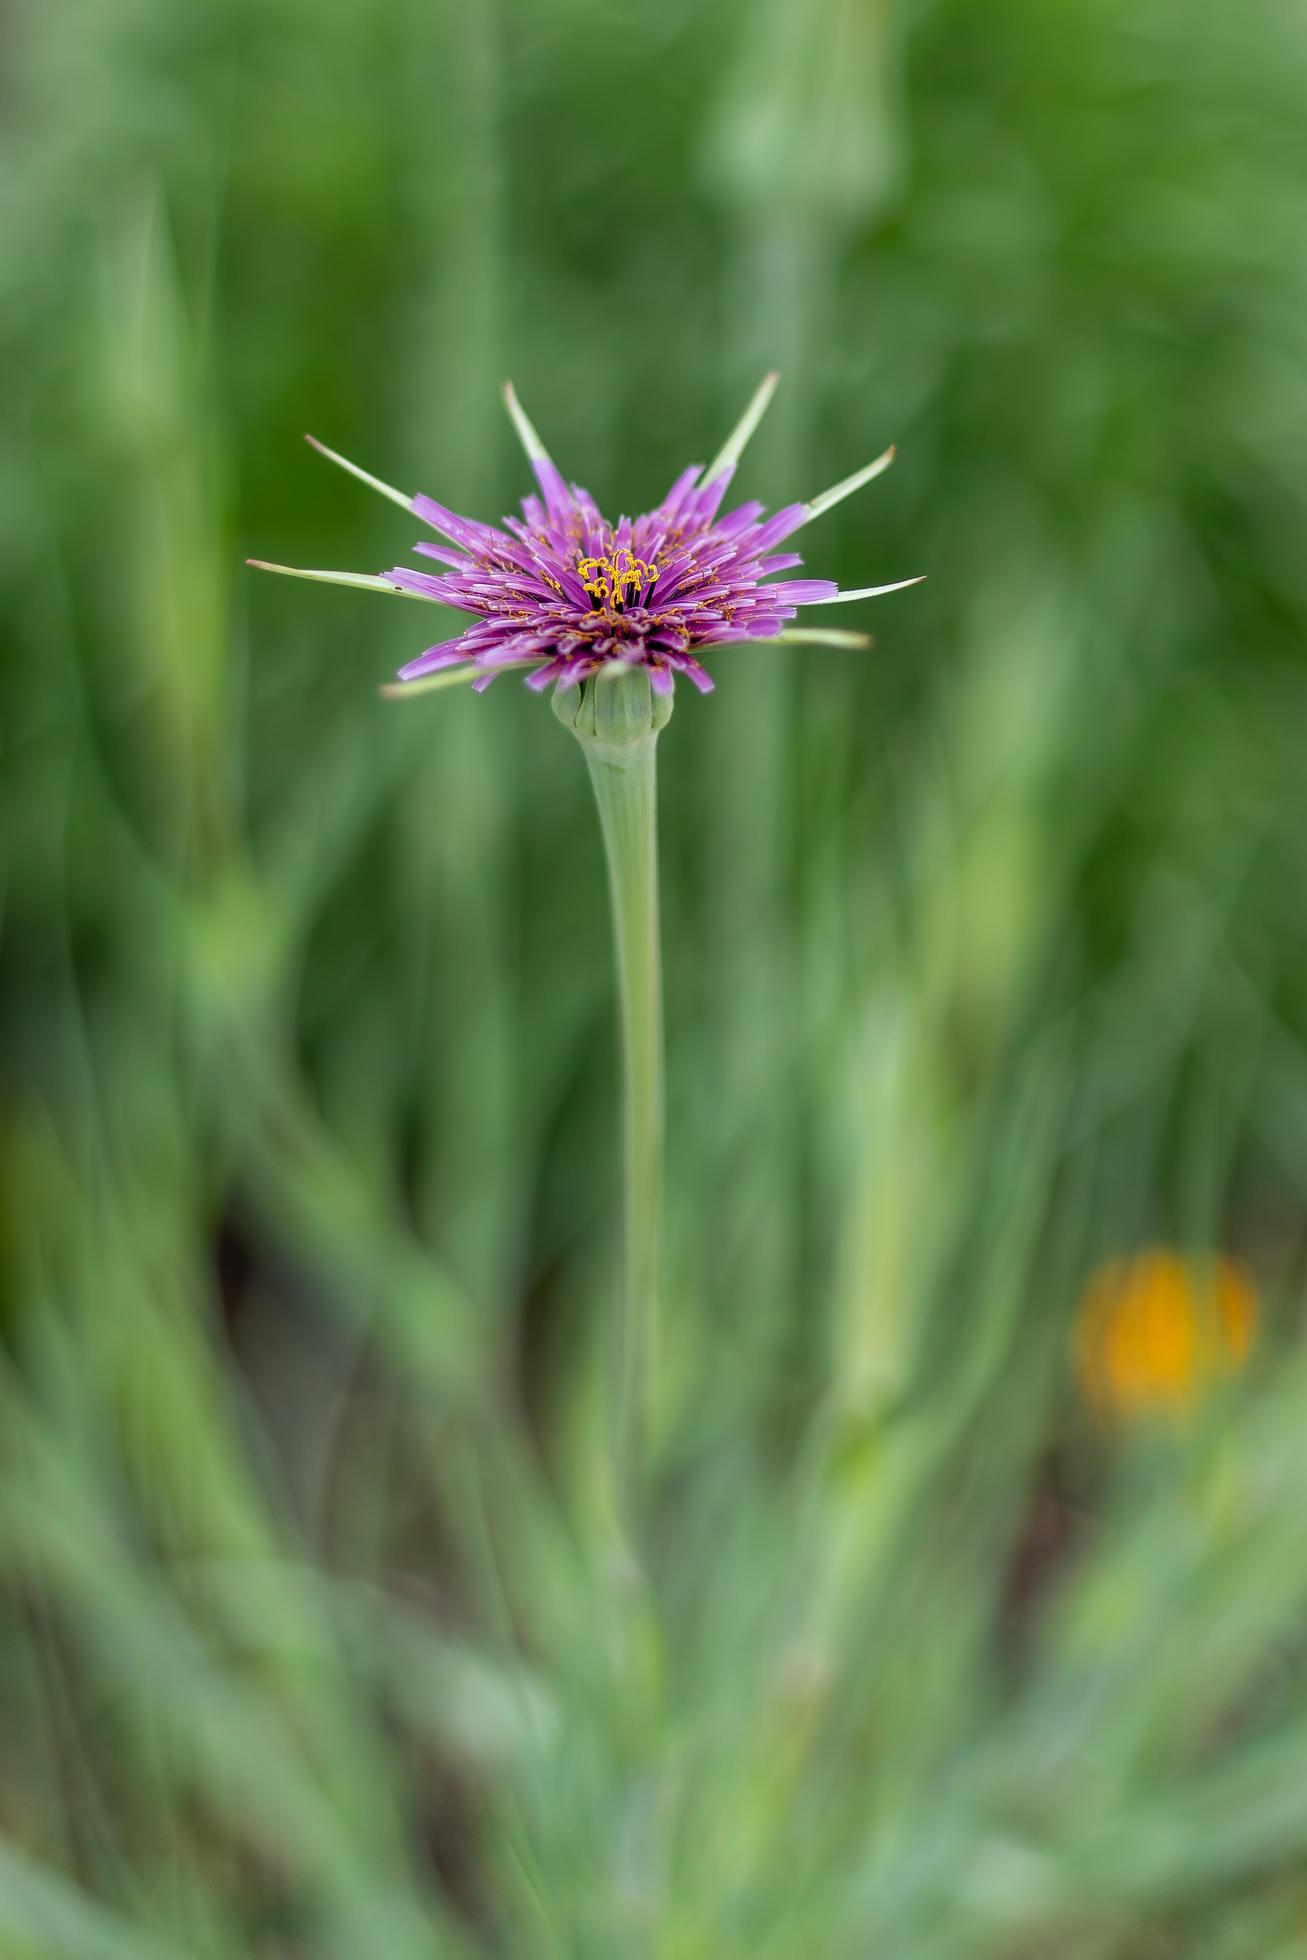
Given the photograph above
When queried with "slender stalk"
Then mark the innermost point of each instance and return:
(626, 797)
(617, 719)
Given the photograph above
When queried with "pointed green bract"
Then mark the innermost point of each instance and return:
(820, 636)
(404, 690)
(868, 592)
(364, 580)
(839, 491)
(733, 448)
(527, 433)
(364, 476)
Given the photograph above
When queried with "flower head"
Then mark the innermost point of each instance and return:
(565, 593)
(1156, 1332)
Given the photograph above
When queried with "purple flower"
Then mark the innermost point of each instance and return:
(564, 592)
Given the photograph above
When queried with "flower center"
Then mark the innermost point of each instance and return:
(609, 579)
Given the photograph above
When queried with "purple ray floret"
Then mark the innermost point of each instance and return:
(566, 593)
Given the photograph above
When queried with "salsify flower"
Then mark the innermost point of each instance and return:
(613, 613)
(563, 592)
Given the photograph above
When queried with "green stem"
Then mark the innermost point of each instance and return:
(617, 720)
(627, 799)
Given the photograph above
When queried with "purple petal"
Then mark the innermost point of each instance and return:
(427, 583)
(695, 673)
(778, 527)
(450, 653)
(706, 503)
(671, 504)
(557, 496)
(762, 628)
(457, 560)
(803, 591)
(462, 530)
(739, 520)
(510, 652)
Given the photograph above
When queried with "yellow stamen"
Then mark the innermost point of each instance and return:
(608, 579)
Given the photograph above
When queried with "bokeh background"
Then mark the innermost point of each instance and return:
(987, 963)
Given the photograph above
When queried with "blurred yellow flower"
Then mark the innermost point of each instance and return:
(1155, 1331)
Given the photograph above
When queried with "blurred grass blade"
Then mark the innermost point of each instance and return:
(45, 1916)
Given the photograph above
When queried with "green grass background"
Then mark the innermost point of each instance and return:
(986, 951)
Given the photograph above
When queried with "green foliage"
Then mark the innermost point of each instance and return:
(986, 958)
